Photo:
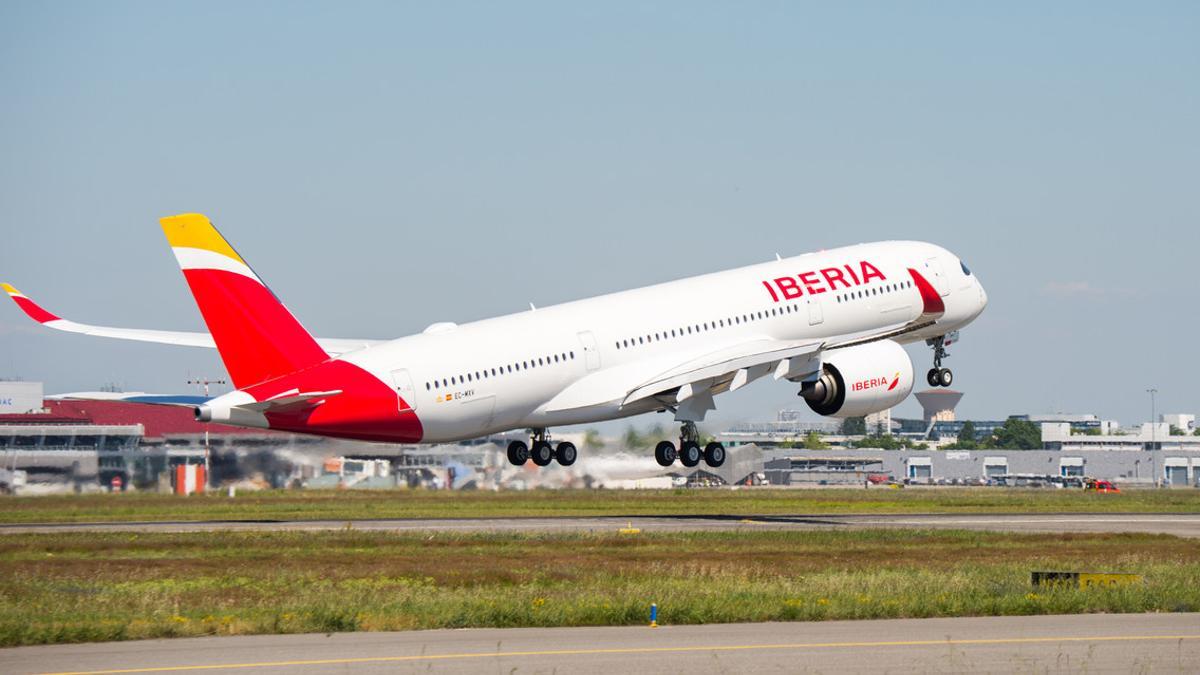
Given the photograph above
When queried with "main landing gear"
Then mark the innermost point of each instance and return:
(937, 375)
(541, 451)
(689, 453)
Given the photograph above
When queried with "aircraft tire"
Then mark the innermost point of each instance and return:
(664, 453)
(945, 377)
(565, 453)
(932, 377)
(518, 453)
(689, 454)
(541, 454)
(714, 454)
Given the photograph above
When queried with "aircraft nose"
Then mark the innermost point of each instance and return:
(983, 299)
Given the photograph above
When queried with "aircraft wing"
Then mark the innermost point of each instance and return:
(733, 368)
(131, 397)
(334, 346)
(695, 379)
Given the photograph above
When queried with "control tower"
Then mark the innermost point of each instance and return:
(939, 404)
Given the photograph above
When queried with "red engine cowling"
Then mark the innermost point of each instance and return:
(858, 381)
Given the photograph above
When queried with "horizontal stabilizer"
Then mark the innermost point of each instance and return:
(291, 401)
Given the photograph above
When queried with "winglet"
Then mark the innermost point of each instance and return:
(28, 306)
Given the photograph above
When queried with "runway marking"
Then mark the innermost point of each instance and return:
(630, 650)
(1183, 518)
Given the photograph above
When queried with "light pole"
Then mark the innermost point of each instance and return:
(1153, 436)
(207, 465)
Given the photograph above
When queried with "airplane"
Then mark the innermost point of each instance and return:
(832, 322)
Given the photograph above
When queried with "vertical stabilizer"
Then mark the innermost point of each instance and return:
(257, 336)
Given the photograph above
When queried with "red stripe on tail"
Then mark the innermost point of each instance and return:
(257, 336)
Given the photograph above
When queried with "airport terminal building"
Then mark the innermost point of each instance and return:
(1165, 453)
(54, 444)
(110, 444)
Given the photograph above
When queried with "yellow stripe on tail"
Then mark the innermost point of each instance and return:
(193, 230)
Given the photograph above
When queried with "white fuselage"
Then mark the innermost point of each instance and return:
(507, 372)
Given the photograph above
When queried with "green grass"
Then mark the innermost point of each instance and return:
(72, 587)
(351, 505)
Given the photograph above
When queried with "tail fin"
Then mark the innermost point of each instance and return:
(257, 336)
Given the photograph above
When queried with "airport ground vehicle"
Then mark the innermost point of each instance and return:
(1095, 485)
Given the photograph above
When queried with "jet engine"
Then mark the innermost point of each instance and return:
(860, 380)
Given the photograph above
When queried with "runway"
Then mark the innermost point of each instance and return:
(1084, 643)
(1182, 525)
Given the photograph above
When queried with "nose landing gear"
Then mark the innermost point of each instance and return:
(937, 375)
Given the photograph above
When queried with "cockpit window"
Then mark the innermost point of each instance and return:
(964, 266)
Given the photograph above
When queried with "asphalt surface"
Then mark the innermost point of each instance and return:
(1166, 643)
(1182, 525)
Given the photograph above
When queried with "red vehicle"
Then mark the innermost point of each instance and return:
(1101, 486)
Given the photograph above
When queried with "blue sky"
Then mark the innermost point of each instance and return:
(388, 165)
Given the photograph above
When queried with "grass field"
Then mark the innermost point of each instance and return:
(72, 587)
(351, 504)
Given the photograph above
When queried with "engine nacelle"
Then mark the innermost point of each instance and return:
(861, 380)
